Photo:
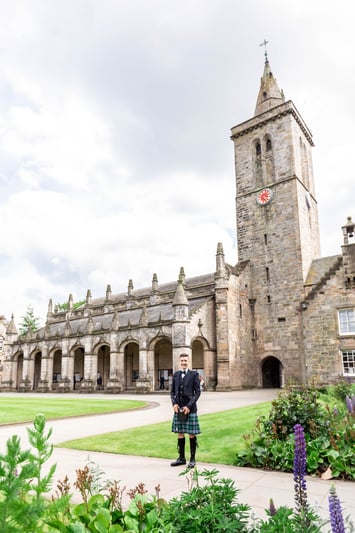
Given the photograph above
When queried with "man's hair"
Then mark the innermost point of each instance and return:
(183, 355)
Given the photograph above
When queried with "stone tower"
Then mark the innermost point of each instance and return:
(277, 224)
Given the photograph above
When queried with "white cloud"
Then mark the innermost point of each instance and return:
(115, 158)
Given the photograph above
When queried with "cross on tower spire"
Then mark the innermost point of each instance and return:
(264, 43)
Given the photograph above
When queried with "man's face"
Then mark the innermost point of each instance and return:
(184, 363)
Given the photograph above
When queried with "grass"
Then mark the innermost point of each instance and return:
(221, 437)
(17, 410)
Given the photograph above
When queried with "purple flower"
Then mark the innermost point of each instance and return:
(335, 512)
(349, 404)
(299, 471)
(272, 508)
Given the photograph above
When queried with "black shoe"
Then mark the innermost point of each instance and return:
(179, 461)
(191, 464)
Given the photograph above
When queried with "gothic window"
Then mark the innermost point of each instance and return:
(269, 160)
(258, 164)
(264, 95)
(348, 357)
(346, 321)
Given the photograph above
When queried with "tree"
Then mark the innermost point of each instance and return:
(64, 306)
(29, 321)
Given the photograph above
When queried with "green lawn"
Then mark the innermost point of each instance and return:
(221, 437)
(24, 409)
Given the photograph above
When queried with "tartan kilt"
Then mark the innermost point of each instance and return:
(191, 426)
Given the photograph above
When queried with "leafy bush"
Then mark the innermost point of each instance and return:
(285, 520)
(296, 407)
(211, 507)
(330, 435)
(342, 389)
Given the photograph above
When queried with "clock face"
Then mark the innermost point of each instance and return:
(264, 196)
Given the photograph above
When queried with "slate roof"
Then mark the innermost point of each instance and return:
(143, 307)
(320, 268)
(155, 313)
(190, 283)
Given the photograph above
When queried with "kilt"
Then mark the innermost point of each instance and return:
(191, 426)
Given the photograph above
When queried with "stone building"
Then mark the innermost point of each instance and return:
(281, 315)
(3, 328)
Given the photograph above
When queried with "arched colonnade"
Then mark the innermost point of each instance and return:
(127, 367)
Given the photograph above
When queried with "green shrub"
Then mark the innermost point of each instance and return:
(208, 508)
(22, 485)
(285, 520)
(343, 389)
(330, 435)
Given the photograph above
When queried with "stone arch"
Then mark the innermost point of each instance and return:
(78, 367)
(163, 362)
(37, 359)
(197, 356)
(19, 369)
(57, 368)
(130, 364)
(103, 365)
(204, 361)
(271, 371)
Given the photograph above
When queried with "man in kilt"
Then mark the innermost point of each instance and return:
(185, 391)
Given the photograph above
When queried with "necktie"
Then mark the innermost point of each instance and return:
(183, 373)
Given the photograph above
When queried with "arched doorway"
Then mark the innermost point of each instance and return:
(197, 362)
(57, 369)
(163, 364)
(19, 373)
(131, 365)
(78, 367)
(37, 370)
(271, 373)
(103, 366)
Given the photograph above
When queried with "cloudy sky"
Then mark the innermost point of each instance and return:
(115, 116)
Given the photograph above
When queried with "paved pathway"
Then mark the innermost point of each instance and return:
(256, 486)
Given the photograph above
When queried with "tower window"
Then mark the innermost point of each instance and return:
(348, 362)
(264, 95)
(346, 321)
(268, 299)
(267, 273)
(240, 311)
(265, 238)
(268, 145)
(258, 149)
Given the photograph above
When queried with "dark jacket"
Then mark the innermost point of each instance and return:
(186, 391)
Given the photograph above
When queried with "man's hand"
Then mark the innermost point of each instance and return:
(185, 410)
(176, 408)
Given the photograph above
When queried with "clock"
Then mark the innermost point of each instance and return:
(264, 196)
